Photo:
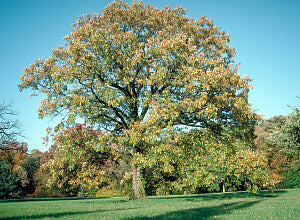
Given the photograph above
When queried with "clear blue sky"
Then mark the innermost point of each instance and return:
(265, 33)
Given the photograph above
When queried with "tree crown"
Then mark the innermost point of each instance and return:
(138, 66)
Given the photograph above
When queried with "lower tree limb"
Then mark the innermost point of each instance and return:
(81, 191)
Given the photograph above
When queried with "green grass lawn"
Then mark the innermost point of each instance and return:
(241, 205)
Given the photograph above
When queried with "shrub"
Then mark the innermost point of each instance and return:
(9, 183)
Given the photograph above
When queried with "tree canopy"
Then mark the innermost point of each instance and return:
(137, 71)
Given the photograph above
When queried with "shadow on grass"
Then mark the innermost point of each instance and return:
(64, 214)
(55, 199)
(201, 213)
(208, 196)
(234, 195)
(224, 196)
(226, 206)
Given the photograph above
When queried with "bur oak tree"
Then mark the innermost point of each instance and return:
(137, 71)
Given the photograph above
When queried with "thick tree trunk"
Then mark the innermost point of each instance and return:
(136, 182)
(81, 191)
(223, 185)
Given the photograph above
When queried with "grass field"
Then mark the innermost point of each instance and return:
(241, 205)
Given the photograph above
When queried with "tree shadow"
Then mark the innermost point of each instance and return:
(64, 214)
(224, 196)
(57, 199)
(43, 199)
(234, 195)
(227, 207)
(201, 213)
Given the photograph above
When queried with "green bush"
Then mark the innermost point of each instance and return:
(9, 183)
(292, 177)
(109, 191)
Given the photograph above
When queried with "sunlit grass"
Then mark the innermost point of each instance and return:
(278, 205)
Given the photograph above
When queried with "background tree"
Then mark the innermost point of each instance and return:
(9, 182)
(32, 164)
(265, 129)
(42, 177)
(278, 139)
(22, 165)
(276, 159)
(9, 125)
(137, 71)
(15, 153)
(287, 140)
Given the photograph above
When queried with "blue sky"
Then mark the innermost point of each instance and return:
(266, 35)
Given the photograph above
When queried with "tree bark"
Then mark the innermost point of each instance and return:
(136, 182)
(81, 191)
(223, 186)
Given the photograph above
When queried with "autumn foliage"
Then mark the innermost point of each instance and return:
(80, 161)
(18, 169)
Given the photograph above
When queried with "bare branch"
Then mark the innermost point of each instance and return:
(9, 126)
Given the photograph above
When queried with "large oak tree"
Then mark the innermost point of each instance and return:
(136, 70)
